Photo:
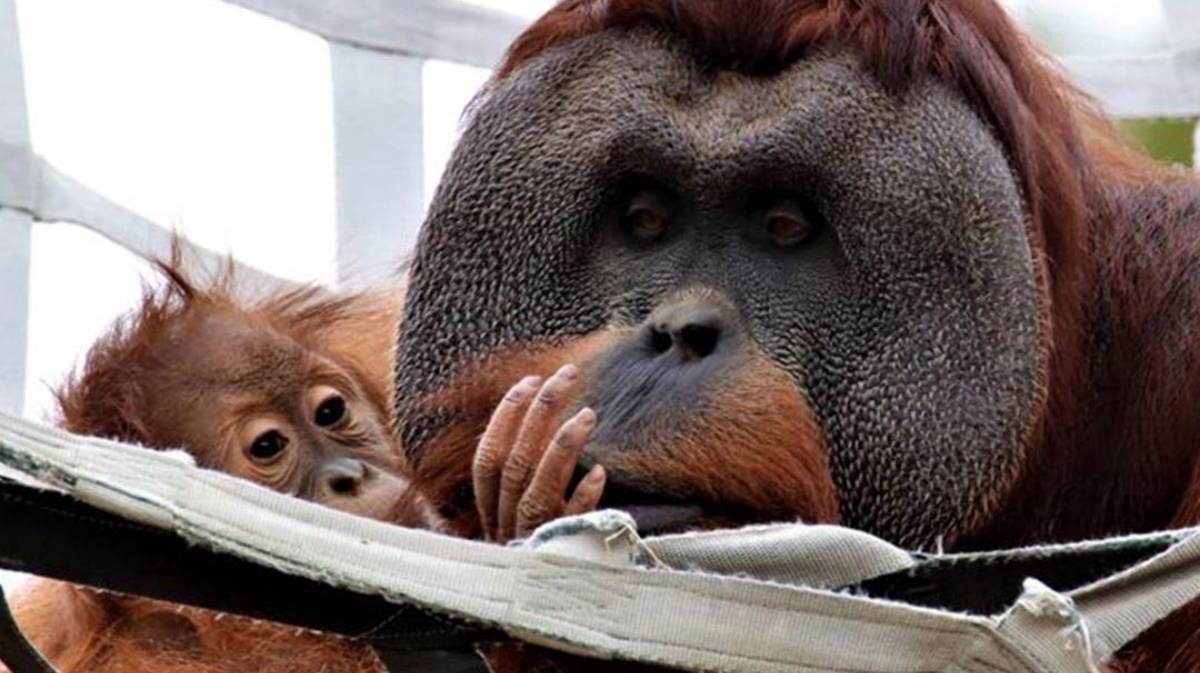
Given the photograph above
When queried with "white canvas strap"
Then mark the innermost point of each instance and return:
(833, 556)
(1120, 607)
(603, 607)
(1092, 622)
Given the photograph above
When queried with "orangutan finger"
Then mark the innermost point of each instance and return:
(545, 499)
(536, 429)
(588, 493)
(494, 448)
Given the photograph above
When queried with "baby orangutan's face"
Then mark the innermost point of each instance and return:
(263, 407)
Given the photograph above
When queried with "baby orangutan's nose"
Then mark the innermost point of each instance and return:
(341, 478)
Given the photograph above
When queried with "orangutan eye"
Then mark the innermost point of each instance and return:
(330, 411)
(268, 446)
(647, 216)
(788, 225)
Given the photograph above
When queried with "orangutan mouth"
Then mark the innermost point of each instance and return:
(654, 513)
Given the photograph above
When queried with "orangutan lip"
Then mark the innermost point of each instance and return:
(654, 513)
(663, 519)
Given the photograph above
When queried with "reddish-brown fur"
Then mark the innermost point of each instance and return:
(84, 631)
(765, 484)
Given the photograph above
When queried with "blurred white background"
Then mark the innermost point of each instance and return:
(199, 115)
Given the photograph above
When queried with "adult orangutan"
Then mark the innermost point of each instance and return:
(884, 241)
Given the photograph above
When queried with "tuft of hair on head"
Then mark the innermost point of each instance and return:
(106, 395)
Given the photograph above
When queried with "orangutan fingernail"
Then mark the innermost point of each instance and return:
(586, 418)
(595, 475)
(568, 371)
(524, 388)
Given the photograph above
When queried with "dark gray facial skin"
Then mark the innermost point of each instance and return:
(909, 317)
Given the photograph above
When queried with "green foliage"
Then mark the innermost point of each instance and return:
(1168, 140)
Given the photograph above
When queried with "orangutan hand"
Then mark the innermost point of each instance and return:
(525, 459)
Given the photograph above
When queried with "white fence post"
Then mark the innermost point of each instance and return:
(1183, 25)
(16, 225)
(446, 30)
(379, 148)
(377, 49)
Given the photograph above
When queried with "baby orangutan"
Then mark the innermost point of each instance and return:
(291, 391)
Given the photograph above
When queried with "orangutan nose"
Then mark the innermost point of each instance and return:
(692, 329)
(341, 477)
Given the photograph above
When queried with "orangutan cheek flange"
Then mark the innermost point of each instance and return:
(906, 324)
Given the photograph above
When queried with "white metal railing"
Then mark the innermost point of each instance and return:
(1165, 84)
(447, 30)
(16, 222)
(377, 49)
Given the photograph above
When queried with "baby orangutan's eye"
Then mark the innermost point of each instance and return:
(330, 411)
(267, 446)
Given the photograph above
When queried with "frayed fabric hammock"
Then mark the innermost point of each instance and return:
(764, 599)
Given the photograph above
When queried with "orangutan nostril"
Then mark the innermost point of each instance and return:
(697, 341)
(344, 486)
(660, 340)
(342, 477)
(692, 340)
